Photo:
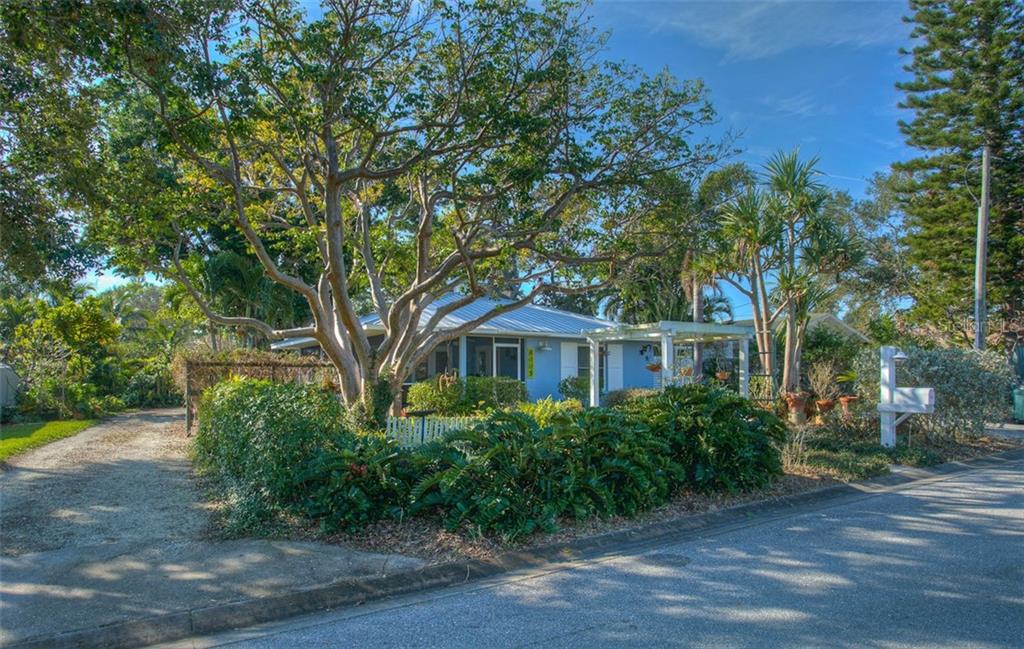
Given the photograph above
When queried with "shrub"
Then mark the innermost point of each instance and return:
(492, 392)
(449, 396)
(545, 410)
(500, 481)
(575, 387)
(258, 437)
(349, 486)
(511, 476)
(618, 397)
(825, 345)
(721, 438)
(444, 396)
(971, 387)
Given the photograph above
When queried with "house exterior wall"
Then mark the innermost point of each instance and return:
(543, 380)
(634, 365)
(547, 369)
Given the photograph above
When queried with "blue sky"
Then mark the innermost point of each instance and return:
(817, 75)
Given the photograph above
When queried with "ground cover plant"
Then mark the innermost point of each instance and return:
(17, 438)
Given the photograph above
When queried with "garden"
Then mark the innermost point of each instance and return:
(288, 459)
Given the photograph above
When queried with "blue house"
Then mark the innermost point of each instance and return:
(541, 346)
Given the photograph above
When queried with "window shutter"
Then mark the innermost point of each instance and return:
(570, 365)
(614, 367)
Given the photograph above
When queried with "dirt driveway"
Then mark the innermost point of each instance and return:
(107, 526)
(126, 479)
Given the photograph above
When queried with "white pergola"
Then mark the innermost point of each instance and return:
(668, 334)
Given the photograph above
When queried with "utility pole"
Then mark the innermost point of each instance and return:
(981, 254)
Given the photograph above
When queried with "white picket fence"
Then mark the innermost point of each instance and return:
(413, 431)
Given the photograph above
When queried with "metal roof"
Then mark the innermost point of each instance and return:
(826, 320)
(527, 320)
(679, 331)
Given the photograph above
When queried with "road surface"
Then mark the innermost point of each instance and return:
(940, 564)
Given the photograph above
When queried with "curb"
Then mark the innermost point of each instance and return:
(352, 592)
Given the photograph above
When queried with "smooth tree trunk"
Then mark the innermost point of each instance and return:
(698, 316)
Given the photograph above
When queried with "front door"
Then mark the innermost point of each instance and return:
(506, 360)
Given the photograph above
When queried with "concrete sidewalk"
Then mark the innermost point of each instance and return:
(106, 526)
(1008, 430)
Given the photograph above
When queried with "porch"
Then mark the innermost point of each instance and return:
(667, 335)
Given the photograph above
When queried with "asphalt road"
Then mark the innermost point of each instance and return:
(936, 565)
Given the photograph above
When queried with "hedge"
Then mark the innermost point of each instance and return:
(971, 387)
(281, 447)
(448, 395)
(257, 436)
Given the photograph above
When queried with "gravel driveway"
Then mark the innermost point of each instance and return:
(106, 526)
(126, 479)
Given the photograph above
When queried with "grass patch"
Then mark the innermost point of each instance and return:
(846, 455)
(17, 438)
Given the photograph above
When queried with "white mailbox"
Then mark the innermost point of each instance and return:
(916, 400)
(893, 400)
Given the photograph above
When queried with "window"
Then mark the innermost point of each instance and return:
(583, 364)
(479, 356)
(440, 361)
(487, 356)
(506, 360)
(583, 361)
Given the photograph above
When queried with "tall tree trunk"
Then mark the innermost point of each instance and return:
(790, 374)
(698, 316)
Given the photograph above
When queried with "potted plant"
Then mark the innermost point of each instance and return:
(796, 402)
(723, 375)
(654, 366)
(822, 378)
(848, 380)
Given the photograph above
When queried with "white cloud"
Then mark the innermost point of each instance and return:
(802, 104)
(755, 29)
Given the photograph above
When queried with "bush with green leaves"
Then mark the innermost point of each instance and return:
(446, 395)
(441, 394)
(361, 480)
(545, 410)
(721, 439)
(971, 387)
(618, 397)
(822, 344)
(511, 476)
(484, 393)
(258, 437)
(575, 387)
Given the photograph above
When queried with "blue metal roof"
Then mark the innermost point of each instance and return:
(527, 320)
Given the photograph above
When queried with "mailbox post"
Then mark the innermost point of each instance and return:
(893, 401)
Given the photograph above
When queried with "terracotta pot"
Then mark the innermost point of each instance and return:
(654, 367)
(723, 376)
(686, 371)
(796, 402)
(823, 406)
(845, 402)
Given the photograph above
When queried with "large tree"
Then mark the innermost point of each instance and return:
(780, 248)
(47, 168)
(966, 91)
(393, 149)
